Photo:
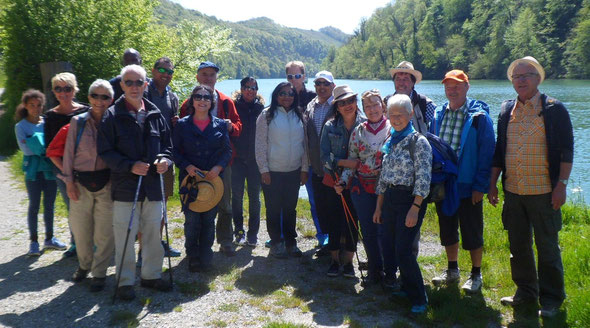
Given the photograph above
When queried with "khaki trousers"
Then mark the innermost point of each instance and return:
(91, 221)
(147, 218)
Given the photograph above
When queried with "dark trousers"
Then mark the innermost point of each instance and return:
(34, 190)
(339, 227)
(243, 170)
(199, 233)
(396, 205)
(224, 231)
(320, 196)
(280, 197)
(321, 235)
(522, 216)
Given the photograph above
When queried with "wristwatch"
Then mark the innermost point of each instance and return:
(564, 181)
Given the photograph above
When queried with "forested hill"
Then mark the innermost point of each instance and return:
(481, 37)
(263, 47)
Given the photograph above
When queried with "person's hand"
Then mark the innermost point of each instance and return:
(412, 216)
(72, 191)
(174, 119)
(191, 170)
(303, 178)
(377, 216)
(229, 126)
(140, 168)
(161, 165)
(265, 178)
(213, 173)
(493, 195)
(339, 188)
(476, 197)
(558, 196)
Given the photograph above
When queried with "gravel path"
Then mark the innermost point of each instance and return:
(248, 290)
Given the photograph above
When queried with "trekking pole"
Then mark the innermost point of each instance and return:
(165, 216)
(120, 268)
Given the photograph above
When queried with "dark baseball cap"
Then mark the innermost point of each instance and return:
(208, 64)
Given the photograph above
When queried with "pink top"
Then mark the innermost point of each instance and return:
(201, 124)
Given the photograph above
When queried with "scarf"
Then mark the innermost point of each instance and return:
(396, 137)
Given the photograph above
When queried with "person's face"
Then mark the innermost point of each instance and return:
(133, 85)
(525, 80)
(456, 92)
(324, 89)
(207, 76)
(347, 107)
(285, 97)
(34, 107)
(373, 108)
(64, 93)
(201, 101)
(294, 72)
(249, 91)
(403, 83)
(399, 118)
(131, 59)
(162, 79)
(99, 100)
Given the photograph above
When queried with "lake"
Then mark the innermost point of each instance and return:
(575, 94)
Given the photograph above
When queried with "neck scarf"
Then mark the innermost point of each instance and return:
(396, 137)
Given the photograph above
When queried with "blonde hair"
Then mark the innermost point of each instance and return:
(295, 63)
(370, 95)
(67, 78)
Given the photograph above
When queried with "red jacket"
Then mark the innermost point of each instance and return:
(58, 144)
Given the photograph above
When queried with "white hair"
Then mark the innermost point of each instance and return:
(400, 101)
(134, 68)
(100, 83)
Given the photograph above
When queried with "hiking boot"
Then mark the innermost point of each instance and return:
(240, 239)
(294, 251)
(79, 275)
(126, 293)
(97, 284)
(392, 283)
(54, 243)
(516, 300)
(71, 251)
(227, 250)
(278, 251)
(169, 251)
(548, 311)
(333, 270)
(34, 249)
(348, 270)
(473, 284)
(157, 284)
(449, 276)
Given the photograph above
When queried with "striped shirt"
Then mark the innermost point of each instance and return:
(452, 126)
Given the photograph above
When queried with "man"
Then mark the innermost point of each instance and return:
(314, 118)
(534, 153)
(130, 57)
(226, 109)
(133, 134)
(466, 126)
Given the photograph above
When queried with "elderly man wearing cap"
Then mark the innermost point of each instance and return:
(226, 110)
(534, 153)
(466, 126)
(314, 117)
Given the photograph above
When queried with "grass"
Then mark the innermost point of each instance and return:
(124, 318)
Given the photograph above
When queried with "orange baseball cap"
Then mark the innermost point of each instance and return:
(457, 75)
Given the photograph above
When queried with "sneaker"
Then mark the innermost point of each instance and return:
(157, 284)
(548, 311)
(447, 277)
(54, 243)
(392, 283)
(278, 251)
(71, 251)
(240, 239)
(473, 284)
(294, 251)
(126, 293)
(227, 250)
(267, 244)
(170, 251)
(79, 275)
(516, 300)
(348, 270)
(34, 249)
(333, 270)
(418, 309)
(97, 284)
(252, 242)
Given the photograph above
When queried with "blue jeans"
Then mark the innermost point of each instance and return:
(61, 186)
(34, 190)
(280, 198)
(246, 170)
(199, 233)
(320, 235)
(396, 205)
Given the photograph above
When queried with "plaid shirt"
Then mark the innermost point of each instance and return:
(320, 111)
(452, 126)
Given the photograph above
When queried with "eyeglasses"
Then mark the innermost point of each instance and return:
(250, 88)
(137, 83)
(286, 94)
(165, 70)
(199, 97)
(294, 76)
(523, 76)
(101, 97)
(65, 89)
(324, 83)
(346, 102)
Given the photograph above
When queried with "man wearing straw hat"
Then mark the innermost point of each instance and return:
(534, 153)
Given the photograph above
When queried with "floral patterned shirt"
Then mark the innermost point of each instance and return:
(398, 167)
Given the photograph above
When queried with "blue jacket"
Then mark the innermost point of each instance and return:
(203, 149)
(334, 142)
(477, 146)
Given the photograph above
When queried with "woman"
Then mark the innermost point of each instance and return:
(283, 165)
(333, 154)
(249, 105)
(201, 144)
(403, 184)
(39, 177)
(64, 87)
(365, 146)
(87, 184)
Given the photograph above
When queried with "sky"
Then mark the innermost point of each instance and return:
(308, 15)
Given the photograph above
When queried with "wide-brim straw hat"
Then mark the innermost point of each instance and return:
(527, 60)
(209, 192)
(342, 92)
(406, 67)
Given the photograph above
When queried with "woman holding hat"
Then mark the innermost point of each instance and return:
(201, 151)
(333, 154)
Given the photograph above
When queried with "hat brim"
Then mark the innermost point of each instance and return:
(452, 78)
(345, 96)
(203, 205)
(525, 60)
(414, 72)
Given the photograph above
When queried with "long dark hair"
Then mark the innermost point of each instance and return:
(21, 112)
(274, 102)
(191, 108)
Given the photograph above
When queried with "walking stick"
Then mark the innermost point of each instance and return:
(120, 268)
(165, 216)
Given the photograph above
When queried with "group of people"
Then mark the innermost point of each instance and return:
(368, 173)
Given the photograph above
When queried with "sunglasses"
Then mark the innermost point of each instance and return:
(66, 89)
(199, 97)
(345, 102)
(294, 76)
(324, 83)
(165, 70)
(137, 83)
(101, 97)
(523, 76)
(286, 94)
(250, 88)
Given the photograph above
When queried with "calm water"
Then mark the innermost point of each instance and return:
(573, 93)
